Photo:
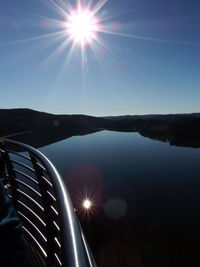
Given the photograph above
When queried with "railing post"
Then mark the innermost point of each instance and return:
(6, 162)
(47, 212)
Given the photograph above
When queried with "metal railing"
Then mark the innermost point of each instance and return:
(50, 224)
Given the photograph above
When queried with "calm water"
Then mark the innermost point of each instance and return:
(145, 197)
(148, 179)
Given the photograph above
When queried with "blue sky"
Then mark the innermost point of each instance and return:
(157, 73)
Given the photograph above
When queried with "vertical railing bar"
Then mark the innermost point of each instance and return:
(6, 161)
(45, 196)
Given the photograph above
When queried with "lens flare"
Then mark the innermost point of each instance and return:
(87, 204)
(82, 26)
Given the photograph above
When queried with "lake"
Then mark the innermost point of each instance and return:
(142, 191)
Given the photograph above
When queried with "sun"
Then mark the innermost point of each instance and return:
(82, 26)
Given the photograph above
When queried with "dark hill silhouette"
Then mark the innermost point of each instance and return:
(179, 129)
(21, 120)
(40, 128)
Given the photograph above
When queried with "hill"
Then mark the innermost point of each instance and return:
(40, 128)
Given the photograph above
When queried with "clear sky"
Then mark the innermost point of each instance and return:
(144, 59)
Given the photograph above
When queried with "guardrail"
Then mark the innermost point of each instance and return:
(50, 224)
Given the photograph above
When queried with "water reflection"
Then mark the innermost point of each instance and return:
(145, 197)
(115, 208)
(47, 137)
(145, 194)
(87, 204)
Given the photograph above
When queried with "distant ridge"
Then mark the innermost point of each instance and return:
(20, 120)
(30, 126)
(155, 116)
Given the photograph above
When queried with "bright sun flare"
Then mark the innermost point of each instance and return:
(87, 204)
(82, 26)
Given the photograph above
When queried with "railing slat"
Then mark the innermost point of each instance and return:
(47, 181)
(30, 198)
(22, 165)
(32, 212)
(33, 225)
(26, 176)
(29, 187)
(18, 154)
(52, 197)
(58, 260)
(36, 242)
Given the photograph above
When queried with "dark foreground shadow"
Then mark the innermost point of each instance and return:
(143, 245)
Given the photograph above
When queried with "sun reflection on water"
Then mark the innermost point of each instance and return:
(87, 204)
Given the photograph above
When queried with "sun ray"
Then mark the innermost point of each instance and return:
(99, 6)
(146, 38)
(44, 36)
(67, 60)
(95, 51)
(53, 20)
(67, 5)
(83, 70)
(82, 26)
(39, 47)
(102, 43)
(110, 17)
(58, 9)
(89, 4)
(83, 58)
(59, 50)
